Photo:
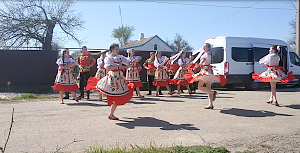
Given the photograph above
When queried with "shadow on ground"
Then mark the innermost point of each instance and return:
(250, 113)
(293, 106)
(153, 122)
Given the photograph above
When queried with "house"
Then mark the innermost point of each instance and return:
(143, 46)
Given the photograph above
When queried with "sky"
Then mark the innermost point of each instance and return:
(196, 21)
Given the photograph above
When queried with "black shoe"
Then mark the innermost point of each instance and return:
(73, 99)
(88, 97)
(66, 97)
(161, 93)
(149, 93)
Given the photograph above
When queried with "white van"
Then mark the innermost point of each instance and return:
(237, 58)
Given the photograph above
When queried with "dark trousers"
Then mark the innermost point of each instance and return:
(84, 76)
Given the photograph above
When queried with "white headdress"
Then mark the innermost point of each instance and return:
(278, 48)
(200, 51)
(176, 56)
(128, 51)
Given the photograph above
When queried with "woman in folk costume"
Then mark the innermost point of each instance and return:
(206, 75)
(193, 67)
(161, 77)
(132, 73)
(101, 72)
(179, 79)
(274, 73)
(171, 68)
(64, 81)
(114, 85)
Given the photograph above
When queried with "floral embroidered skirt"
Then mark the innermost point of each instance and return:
(133, 76)
(206, 75)
(101, 73)
(65, 81)
(161, 78)
(114, 87)
(274, 75)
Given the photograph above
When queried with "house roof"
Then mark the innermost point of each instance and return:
(142, 42)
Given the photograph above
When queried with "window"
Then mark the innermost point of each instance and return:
(260, 53)
(294, 58)
(155, 47)
(217, 55)
(242, 54)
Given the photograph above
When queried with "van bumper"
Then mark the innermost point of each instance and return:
(238, 78)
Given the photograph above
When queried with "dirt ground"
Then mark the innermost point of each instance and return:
(240, 121)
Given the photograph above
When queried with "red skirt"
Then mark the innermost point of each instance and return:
(179, 82)
(65, 88)
(161, 83)
(271, 79)
(192, 77)
(136, 84)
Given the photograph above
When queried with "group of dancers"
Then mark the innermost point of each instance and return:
(178, 70)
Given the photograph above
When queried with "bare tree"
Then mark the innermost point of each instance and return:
(24, 22)
(180, 44)
(292, 39)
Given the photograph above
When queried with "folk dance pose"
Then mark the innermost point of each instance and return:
(149, 66)
(67, 96)
(206, 75)
(132, 73)
(101, 72)
(161, 76)
(114, 85)
(193, 67)
(171, 68)
(179, 79)
(274, 73)
(85, 61)
(64, 81)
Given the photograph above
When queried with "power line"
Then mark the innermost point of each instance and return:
(224, 18)
(224, 6)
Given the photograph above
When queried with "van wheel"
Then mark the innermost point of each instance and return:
(251, 85)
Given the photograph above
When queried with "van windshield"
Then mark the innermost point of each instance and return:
(217, 55)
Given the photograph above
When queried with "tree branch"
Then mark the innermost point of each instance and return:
(67, 145)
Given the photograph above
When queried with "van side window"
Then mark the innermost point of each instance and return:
(242, 54)
(217, 55)
(294, 58)
(260, 53)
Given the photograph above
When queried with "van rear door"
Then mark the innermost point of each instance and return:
(259, 51)
(283, 58)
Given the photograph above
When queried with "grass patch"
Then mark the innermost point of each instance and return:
(31, 96)
(154, 149)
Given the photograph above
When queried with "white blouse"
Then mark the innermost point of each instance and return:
(157, 60)
(67, 61)
(183, 61)
(100, 62)
(112, 60)
(133, 58)
(207, 57)
(270, 59)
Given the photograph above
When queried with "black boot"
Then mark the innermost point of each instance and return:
(160, 92)
(88, 95)
(149, 92)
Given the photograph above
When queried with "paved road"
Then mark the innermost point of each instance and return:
(241, 120)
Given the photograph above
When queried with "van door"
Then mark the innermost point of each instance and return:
(241, 60)
(259, 51)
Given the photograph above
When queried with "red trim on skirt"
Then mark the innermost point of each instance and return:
(269, 79)
(91, 84)
(191, 79)
(65, 88)
(119, 100)
(136, 84)
(161, 83)
(179, 82)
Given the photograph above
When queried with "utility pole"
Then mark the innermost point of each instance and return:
(123, 43)
(298, 28)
